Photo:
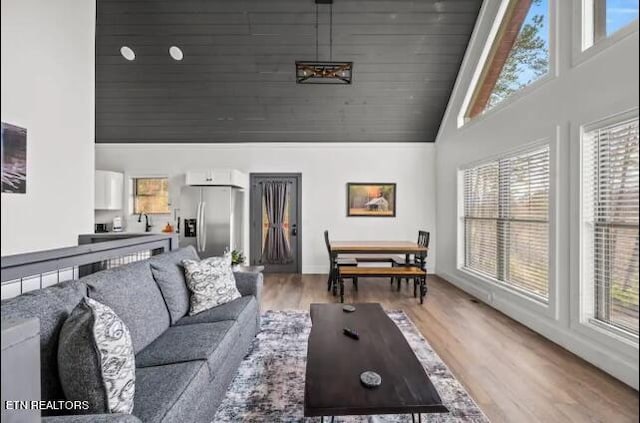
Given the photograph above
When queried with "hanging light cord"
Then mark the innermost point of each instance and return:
(317, 32)
(331, 32)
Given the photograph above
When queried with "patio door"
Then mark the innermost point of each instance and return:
(275, 222)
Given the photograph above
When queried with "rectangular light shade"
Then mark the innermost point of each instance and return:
(324, 72)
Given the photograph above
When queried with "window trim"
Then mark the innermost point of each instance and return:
(549, 307)
(581, 53)
(462, 120)
(586, 321)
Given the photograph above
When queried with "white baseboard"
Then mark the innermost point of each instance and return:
(619, 367)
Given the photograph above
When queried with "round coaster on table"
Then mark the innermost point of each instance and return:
(370, 379)
(348, 308)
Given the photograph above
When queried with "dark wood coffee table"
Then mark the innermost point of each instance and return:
(335, 362)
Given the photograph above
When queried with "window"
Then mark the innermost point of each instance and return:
(518, 56)
(610, 224)
(506, 221)
(603, 18)
(151, 195)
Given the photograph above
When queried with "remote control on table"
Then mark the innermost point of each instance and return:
(351, 333)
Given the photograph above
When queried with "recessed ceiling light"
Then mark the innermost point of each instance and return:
(127, 53)
(176, 53)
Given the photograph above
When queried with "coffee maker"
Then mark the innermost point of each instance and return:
(117, 224)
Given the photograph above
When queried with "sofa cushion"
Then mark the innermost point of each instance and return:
(135, 297)
(205, 341)
(168, 272)
(249, 283)
(170, 393)
(211, 282)
(228, 311)
(51, 306)
(93, 418)
(95, 359)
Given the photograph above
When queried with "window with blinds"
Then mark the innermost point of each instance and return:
(506, 221)
(610, 224)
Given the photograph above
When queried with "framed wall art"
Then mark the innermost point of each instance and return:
(14, 159)
(367, 199)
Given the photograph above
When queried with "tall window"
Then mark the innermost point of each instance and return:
(610, 226)
(506, 221)
(519, 55)
(151, 195)
(602, 18)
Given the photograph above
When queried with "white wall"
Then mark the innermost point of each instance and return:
(325, 168)
(583, 89)
(48, 88)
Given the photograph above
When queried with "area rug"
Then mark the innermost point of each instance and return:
(269, 385)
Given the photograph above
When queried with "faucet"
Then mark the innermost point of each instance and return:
(147, 225)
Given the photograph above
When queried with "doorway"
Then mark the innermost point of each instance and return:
(275, 215)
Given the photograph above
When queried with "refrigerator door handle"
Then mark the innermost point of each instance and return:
(203, 227)
(198, 222)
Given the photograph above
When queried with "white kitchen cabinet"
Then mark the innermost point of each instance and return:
(217, 177)
(109, 190)
(199, 177)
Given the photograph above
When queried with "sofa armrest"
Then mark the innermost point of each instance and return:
(20, 367)
(93, 418)
(249, 284)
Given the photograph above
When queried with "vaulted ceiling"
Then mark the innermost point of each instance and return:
(236, 82)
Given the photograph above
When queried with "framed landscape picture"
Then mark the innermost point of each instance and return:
(371, 199)
(14, 159)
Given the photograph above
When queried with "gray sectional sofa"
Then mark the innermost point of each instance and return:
(184, 363)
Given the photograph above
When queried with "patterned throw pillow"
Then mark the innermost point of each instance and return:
(96, 361)
(211, 282)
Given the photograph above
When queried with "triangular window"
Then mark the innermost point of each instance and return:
(518, 56)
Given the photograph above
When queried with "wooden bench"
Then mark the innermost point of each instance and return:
(410, 272)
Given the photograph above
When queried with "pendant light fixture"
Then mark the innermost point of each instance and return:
(328, 72)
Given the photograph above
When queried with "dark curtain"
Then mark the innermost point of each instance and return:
(276, 245)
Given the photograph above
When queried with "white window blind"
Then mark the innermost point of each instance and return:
(481, 219)
(610, 227)
(506, 221)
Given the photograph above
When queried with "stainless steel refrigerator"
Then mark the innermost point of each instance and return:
(212, 219)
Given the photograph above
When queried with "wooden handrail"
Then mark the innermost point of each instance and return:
(24, 265)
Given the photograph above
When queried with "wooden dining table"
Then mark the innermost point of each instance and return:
(376, 247)
(382, 248)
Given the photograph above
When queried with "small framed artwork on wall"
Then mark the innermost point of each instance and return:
(14, 159)
(371, 199)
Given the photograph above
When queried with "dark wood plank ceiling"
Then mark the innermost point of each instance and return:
(236, 82)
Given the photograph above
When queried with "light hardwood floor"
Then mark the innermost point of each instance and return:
(514, 374)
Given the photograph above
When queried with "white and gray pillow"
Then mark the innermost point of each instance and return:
(96, 362)
(211, 283)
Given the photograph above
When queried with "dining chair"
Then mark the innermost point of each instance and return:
(337, 262)
(419, 259)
